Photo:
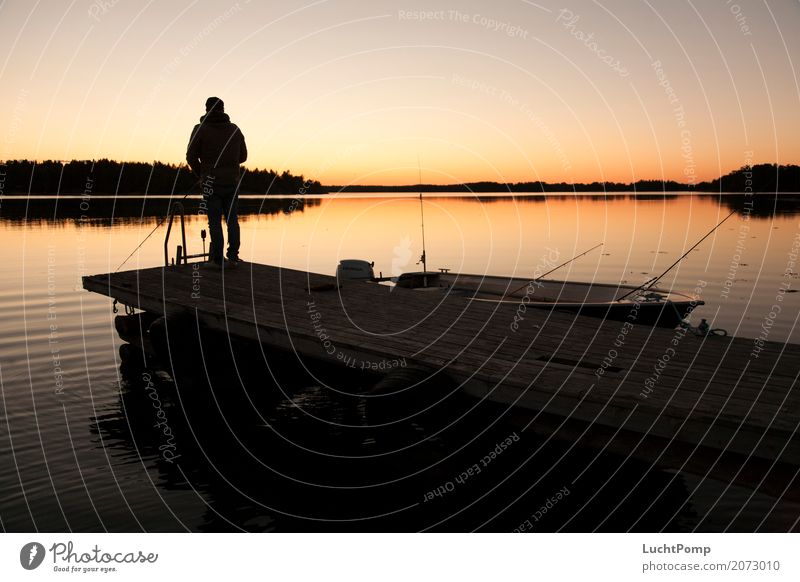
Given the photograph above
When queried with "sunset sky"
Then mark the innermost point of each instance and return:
(358, 92)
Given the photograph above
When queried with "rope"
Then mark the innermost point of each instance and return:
(703, 329)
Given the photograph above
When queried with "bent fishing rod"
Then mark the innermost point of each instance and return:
(654, 280)
(160, 222)
(554, 269)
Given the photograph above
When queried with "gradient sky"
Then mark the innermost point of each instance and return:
(358, 92)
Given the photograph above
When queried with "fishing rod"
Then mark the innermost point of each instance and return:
(160, 222)
(555, 269)
(654, 280)
(423, 258)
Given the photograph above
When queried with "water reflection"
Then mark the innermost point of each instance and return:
(122, 210)
(270, 444)
(760, 206)
(101, 209)
(265, 443)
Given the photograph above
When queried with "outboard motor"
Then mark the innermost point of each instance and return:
(354, 270)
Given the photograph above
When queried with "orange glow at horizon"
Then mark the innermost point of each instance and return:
(357, 94)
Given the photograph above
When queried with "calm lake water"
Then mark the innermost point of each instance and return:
(79, 442)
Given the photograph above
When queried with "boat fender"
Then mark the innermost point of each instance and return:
(175, 339)
(415, 393)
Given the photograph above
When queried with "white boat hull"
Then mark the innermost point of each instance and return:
(658, 307)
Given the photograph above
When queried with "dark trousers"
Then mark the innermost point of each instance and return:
(222, 200)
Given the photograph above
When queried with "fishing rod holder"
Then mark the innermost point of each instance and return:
(181, 255)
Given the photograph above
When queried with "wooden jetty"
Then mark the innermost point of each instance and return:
(706, 405)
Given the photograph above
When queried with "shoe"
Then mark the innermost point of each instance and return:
(232, 263)
(212, 265)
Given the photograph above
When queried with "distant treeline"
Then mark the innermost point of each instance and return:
(520, 187)
(132, 178)
(137, 178)
(758, 178)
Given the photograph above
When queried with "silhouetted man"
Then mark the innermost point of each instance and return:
(216, 148)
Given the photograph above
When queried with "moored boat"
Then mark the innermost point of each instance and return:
(648, 306)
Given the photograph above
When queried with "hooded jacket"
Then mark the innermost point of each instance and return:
(216, 148)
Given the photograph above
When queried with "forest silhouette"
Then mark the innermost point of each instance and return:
(90, 177)
(133, 179)
(758, 178)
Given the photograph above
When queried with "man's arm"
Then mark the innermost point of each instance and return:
(242, 149)
(193, 151)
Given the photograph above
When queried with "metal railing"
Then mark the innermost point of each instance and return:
(181, 255)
